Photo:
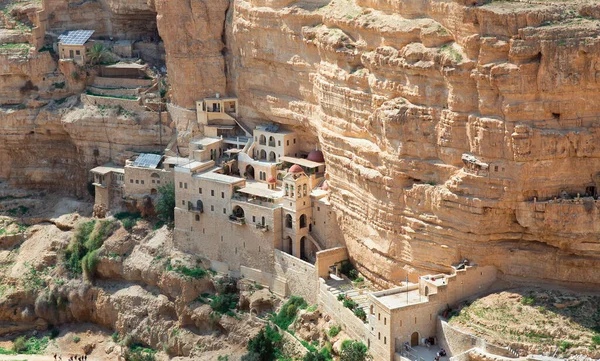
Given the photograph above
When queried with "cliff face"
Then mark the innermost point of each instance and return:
(395, 92)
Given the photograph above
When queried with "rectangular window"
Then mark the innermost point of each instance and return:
(200, 190)
(153, 181)
(182, 202)
(224, 210)
(131, 181)
(180, 184)
(279, 143)
(222, 194)
(137, 181)
(294, 140)
(77, 52)
(185, 185)
(288, 142)
(142, 181)
(253, 219)
(318, 209)
(212, 208)
(212, 192)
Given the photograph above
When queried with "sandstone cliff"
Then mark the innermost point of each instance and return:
(395, 92)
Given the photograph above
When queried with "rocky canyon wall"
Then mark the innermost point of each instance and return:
(449, 127)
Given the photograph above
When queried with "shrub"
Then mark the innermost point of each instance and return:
(115, 337)
(263, 347)
(350, 303)
(223, 304)
(528, 300)
(565, 345)
(353, 274)
(195, 272)
(285, 317)
(341, 297)
(354, 351)
(360, 313)
(89, 264)
(19, 344)
(76, 339)
(165, 206)
(596, 339)
(129, 223)
(334, 330)
(323, 355)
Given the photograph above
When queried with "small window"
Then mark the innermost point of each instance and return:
(180, 184)
(157, 182)
(142, 181)
(222, 194)
(288, 142)
(131, 181)
(385, 321)
(379, 335)
(384, 340)
(212, 208)
(379, 317)
(182, 202)
(77, 52)
(197, 217)
(224, 210)
(137, 181)
(279, 143)
(212, 192)
(153, 181)
(253, 219)
(318, 209)
(200, 190)
(185, 185)
(294, 140)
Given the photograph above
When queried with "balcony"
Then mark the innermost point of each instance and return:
(237, 220)
(196, 209)
(262, 227)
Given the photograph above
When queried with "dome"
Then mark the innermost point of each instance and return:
(316, 156)
(271, 180)
(325, 186)
(296, 169)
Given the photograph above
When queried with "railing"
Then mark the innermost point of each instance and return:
(237, 220)
(195, 209)
(262, 227)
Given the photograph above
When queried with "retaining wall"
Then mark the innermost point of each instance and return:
(352, 325)
(300, 276)
(121, 82)
(457, 341)
(131, 105)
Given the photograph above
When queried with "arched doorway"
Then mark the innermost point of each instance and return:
(303, 221)
(288, 221)
(272, 157)
(414, 339)
(153, 191)
(262, 140)
(302, 248)
(288, 245)
(249, 172)
(238, 212)
(263, 154)
(271, 141)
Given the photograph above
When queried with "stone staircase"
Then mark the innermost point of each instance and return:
(338, 285)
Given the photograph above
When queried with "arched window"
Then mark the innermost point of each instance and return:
(272, 157)
(288, 221)
(271, 141)
(263, 154)
(262, 140)
(263, 221)
(303, 221)
(238, 212)
(154, 175)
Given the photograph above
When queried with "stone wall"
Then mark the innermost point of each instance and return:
(352, 325)
(301, 277)
(459, 342)
(121, 82)
(100, 101)
(328, 258)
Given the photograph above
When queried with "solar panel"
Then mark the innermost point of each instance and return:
(75, 37)
(146, 160)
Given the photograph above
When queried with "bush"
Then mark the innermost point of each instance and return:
(596, 339)
(287, 313)
(115, 337)
(196, 272)
(360, 313)
(354, 351)
(19, 344)
(528, 300)
(223, 304)
(334, 331)
(565, 345)
(350, 303)
(165, 206)
(323, 355)
(341, 297)
(76, 339)
(263, 347)
(129, 223)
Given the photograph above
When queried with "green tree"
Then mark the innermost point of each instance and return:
(354, 351)
(98, 53)
(316, 356)
(263, 347)
(165, 207)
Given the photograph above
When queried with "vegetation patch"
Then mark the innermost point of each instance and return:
(128, 219)
(287, 313)
(30, 346)
(265, 346)
(82, 253)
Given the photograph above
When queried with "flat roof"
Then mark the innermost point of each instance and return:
(401, 299)
(301, 161)
(220, 98)
(220, 126)
(125, 66)
(261, 192)
(206, 141)
(176, 160)
(105, 169)
(218, 177)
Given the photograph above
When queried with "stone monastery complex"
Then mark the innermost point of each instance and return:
(257, 208)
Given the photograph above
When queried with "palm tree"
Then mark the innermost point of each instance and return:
(98, 53)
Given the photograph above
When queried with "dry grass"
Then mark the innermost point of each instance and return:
(539, 321)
